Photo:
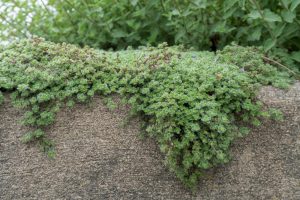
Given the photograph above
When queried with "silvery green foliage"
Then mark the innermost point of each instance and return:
(190, 101)
(201, 24)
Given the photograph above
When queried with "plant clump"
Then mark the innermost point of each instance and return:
(201, 24)
(191, 102)
(256, 66)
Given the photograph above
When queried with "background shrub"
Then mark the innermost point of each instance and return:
(202, 24)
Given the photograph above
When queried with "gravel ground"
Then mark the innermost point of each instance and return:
(97, 158)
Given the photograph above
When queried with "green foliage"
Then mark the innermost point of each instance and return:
(190, 101)
(255, 65)
(276, 114)
(1, 98)
(47, 146)
(31, 136)
(201, 24)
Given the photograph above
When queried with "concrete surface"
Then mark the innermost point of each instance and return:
(97, 158)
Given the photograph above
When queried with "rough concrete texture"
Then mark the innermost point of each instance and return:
(99, 159)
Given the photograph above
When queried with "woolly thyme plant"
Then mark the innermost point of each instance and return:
(190, 101)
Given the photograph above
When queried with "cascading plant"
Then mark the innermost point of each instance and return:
(191, 102)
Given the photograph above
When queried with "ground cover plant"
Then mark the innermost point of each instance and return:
(202, 24)
(190, 102)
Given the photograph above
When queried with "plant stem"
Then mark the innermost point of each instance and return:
(279, 64)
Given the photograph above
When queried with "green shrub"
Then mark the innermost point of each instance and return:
(191, 102)
(201, 24)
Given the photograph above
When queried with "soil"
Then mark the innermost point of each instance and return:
(98, 158)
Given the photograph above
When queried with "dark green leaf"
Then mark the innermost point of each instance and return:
(255, 34)
(271, 16)
(118, 33)
(254, 14)
(295, 4)
(279, 29)
(296, 56)
(269, 44)
(288, 16)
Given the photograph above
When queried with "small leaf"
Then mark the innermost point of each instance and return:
(256, 122)
(255, 35)
(221, 155)
(276, 114)
(70, 103)
(271, 16)
(229, 13)
(279, 29)
(180, 34)
(294, 4)
(118, 33)
(195, 127)
(153, 36)
(288, 16)
(244, 131)
(28, 137)
(290, 30)
(242, 4)
(175, 12)
(286, 3)
(38, 133)
(134, 2)
(221, 27)
(229, 4)
(254, 14)
(296, 56)
(269, 44)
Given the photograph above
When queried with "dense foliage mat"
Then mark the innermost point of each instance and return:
(201, 24)
(191, 102)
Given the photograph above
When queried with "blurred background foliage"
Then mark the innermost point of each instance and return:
(201, 24)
